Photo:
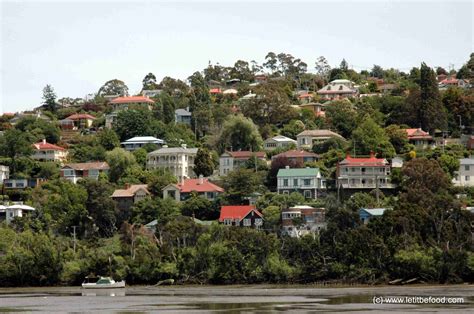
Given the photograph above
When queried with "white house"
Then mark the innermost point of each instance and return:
(178, 160)
(140, 141)
(306, 181)
(8, 213)
(308, 138)
(278, 142)
(4, 173)
(465, 175)
(74, 172)
(229, 161)
(44, 151)
(338, 89)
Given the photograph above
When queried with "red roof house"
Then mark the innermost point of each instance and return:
(124, 103)
(201, 186)
(241, 216)
(44, 151)
(418, 137)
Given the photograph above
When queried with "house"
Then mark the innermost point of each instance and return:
(182, 116)
(8, 213)
(452, 82)
(137, 142)
(365, 214)
(465, 175)
(338, 89)
(183, 190)
(178, 160)
(29, 114)
(297, 156)
(75, 171)
(43, 151)
(77, 121)
(364, 173)
(132, 102)
(397, 162)
(22, 183)
(278, 141)
(151, 92)
(306, 181)
(4, 173)
(419, 138)
(305, 97)
(125, 198)
(300, 220)
(241, 216)
(317, 108)
(308, 138)
(229, 161)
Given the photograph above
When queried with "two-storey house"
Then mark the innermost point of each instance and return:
(465, 175)
(77, 121)
(126, 103)
(300, 220)
(241, 216)
(183, 190)
(297, 156)
(44, 151)
(338, 89)
(178, 160)
(137, 142)
(364, 173)
(230, 161)
(76, 171)
(307, 181)
(308, 138)
(419, 138)
(125, 198)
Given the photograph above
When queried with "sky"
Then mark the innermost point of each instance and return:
(76, 46)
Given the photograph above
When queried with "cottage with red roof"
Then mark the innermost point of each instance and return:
(230, 161)
(419, 138)
(44, 151)
(241, 216)
(364, 173)
(452, 81)
(183, 190)
(77, 121)
(297, 156)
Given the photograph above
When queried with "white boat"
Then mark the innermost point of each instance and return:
(102, 283)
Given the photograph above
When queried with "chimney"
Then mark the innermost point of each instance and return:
(201, 179)
(127, 186)
(44, 141)
(184, 146)
(287, 167)
(372, 154)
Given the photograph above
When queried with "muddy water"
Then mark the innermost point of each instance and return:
(230, 299)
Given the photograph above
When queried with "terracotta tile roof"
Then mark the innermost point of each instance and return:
(99, 165)
(247, 154)
(237, 212)
(130, 191)
(193, 185)
(215, 91)
(371, 161)
(416, 134)
(295, 153)
(78, 116)
(132, 99)
(43, 145)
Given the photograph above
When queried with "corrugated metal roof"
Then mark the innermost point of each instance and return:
(298, 172)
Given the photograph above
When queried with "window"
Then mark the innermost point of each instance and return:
(93, 173)
(228, 222)
(353, 169)
(295, 182)
(20, 185)
(307, 182)
(285, 182)
(247, 222)
(286, 192)
(258, 222)
(362, 169)
(466, 167)
(467, 178)
(307, 194)
(68, 172)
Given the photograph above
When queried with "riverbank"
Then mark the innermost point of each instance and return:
(238, 298)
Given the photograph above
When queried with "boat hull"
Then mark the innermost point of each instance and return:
(120, 284)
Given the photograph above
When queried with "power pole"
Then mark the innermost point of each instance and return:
(74, 235)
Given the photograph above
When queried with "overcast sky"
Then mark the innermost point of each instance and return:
(77, 46)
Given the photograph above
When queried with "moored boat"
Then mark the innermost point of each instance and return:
(102, 283)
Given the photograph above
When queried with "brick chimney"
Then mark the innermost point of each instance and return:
(372, 154)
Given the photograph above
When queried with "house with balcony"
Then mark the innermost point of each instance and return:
(4, 173)
(43, 151)
(201, 186)
(241, 216)
(419, 138)
(307, 181)
(465, 175)
(364, 173)
(278, 141)
(137, 142)
(297, 156)
(338, 89)
(77, 121)
(230, 161)
(178, 160)
(76, 171)
(308, 138)
(131, 194)
(125, 103)
(182, 116)
(301, 220)
(20, 183)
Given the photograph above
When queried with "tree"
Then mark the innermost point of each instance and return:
(119, 160)
(322, 67)
(149, 81)
(344, 66)
(39, 129)
(377, 71)
(332, 143)
(241, 71)
(441, 70)
(199, 207)
(168, 107)
(130, 123)
(14, 144)
(158, 179)
(271, 61)
(241, 183)
(108, 139)
(293, 128)
(398, 137)
(203, 164)
(341, 116)
(49, 97)
(239, 133)
(113, 87)
(370, 137)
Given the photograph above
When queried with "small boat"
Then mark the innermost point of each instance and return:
(102, 283)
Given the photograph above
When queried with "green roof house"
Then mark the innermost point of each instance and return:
(307, 181)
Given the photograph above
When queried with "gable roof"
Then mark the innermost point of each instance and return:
(414, 134)
(371, 161)
(130, 191)
(193, 185)
(245, 154)
(298, 172)
(237, 212)
(280, 138)
(99, 165)
(173, 150)
(143, 139)
(295, 154)
(79, 116)
(132, 99)
(319, 133)
(182, 112)
(373, 211)
(43, 145)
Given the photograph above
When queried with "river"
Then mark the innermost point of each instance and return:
(236, 299)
